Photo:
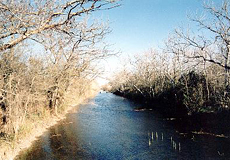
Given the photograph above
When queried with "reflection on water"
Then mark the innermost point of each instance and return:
(153, 137)
(111, 127)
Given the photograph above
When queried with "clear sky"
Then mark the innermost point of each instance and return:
(142, 24)
(138, 25)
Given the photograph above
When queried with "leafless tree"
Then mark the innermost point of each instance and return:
(21, 20)
(211, 43)
(71, 43)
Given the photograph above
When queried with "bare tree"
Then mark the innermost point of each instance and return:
(212, 45)
(21, 20)
(71, 45)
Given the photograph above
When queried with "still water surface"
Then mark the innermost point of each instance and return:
(109, 127)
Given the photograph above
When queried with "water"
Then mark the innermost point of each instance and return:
(110, 127)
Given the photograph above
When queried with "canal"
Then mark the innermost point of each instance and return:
(112, 127)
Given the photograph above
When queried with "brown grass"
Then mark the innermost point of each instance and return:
(35, 127)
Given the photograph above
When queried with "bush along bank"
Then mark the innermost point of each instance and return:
(34, 125)
(201, 105)
(189, 77)
(47, 61)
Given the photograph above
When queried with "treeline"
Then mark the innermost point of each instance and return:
(190, 75)
(49, 52)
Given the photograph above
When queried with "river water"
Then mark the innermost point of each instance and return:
(111, 127)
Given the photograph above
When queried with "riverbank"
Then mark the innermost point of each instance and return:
(212, 122)
(9, 149)
(110, 127)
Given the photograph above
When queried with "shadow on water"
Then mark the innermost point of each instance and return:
(111, 127)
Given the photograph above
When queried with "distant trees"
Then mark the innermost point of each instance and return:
(149, 75)
(191, 74)
(71, 45)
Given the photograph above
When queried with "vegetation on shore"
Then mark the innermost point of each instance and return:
(34, 127)
(49, 51)
(190, 76)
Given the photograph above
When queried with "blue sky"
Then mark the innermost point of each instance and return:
(142, 24)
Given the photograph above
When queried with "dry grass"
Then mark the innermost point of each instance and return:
(35, 126)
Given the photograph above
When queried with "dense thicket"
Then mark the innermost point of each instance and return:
(177, 92)
(48, 56)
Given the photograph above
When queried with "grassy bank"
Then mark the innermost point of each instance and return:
(35, 126)
(48, 62)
